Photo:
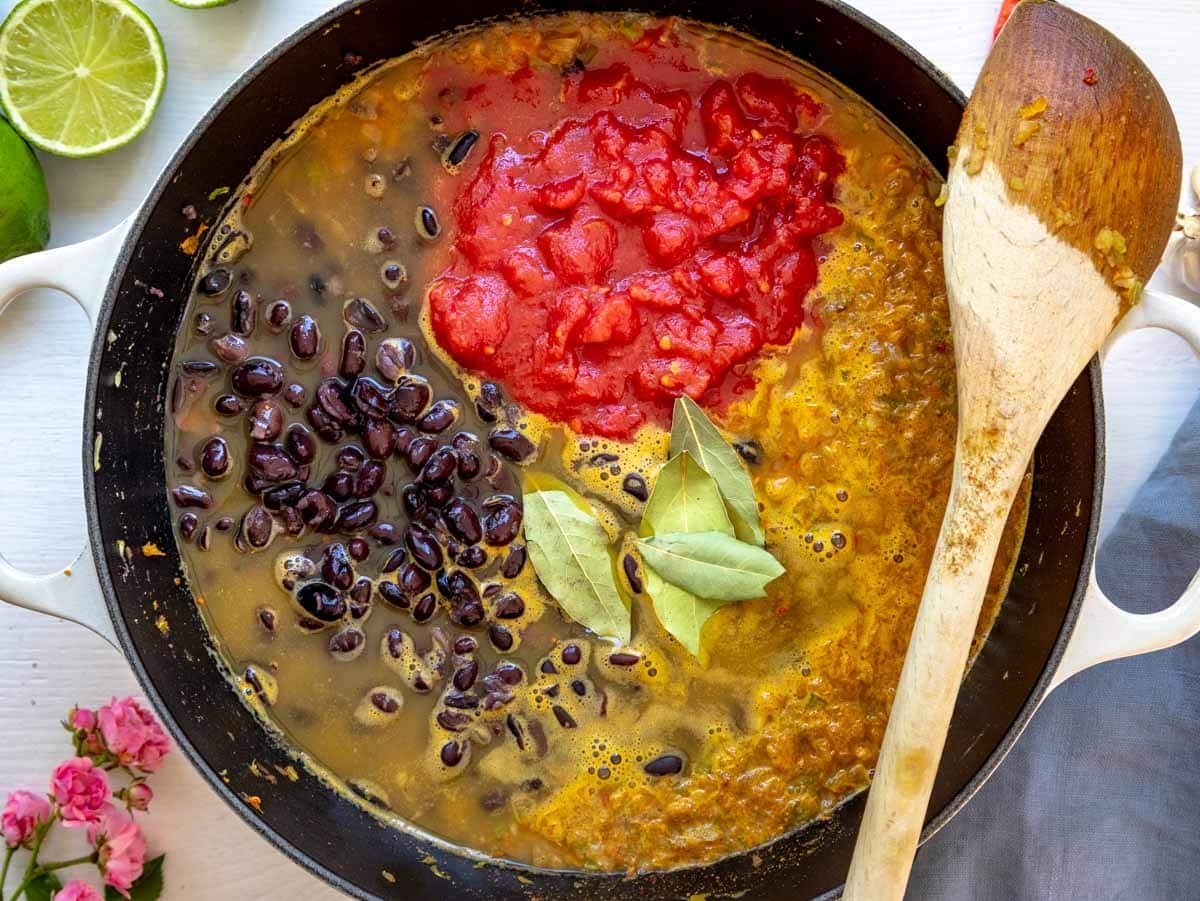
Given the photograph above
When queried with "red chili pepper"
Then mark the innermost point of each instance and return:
(1006, 10)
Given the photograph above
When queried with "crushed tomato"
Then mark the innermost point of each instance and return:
(636, 243)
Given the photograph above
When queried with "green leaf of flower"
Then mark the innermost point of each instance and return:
(681, 613)
(711, 564)
(147, 887)
(43, 888)
(570, 554)
(685, 499)
(693, 432)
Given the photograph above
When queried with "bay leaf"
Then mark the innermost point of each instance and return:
(681, 613)
(569, 550)
(685, 499)
(711, 564)
(693, 431)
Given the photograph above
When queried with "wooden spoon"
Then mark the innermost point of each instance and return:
(1062, 193)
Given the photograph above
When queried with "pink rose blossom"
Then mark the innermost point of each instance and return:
(121, 850)
(77, 890)
(21, 816)
(80, 789)
(133, 735)
(140, 795)
(82, 718)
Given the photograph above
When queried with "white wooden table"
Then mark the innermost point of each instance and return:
(45, 666)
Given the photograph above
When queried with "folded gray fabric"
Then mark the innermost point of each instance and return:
(1100, 798)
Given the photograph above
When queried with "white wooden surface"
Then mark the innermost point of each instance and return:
(46, 666)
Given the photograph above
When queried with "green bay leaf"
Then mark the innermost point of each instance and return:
(681, 613)
(570, 553)
(685, 499)
(693, 431)
(711, 564)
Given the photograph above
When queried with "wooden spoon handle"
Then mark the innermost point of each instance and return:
(929, 683)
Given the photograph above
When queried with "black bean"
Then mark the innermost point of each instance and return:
(214, 457)
(509, 673)
(501, 521)
(300, 444)
(266, 618)
(369, 479)
(578, 687)
(664, 765)
(369, 397)
(514, 562)
(460, 148)
(749, 450)
(361, 313)
(494, 700)
(393, 275)
(439, 467)
(279, 314)
(285, 495)
(203, 324)
(357, 515)
(305, 337)
(409, 400)
(500, 637)
(472, 557)
(331, 397)
(394, 358)
(451, 753)
(385, 533)
(354, 354)
(339, 485)
(336, 568)
(266, 420)
(425, 607)
(413, 501)
(564, 719)
(635, 486)
(191, 496)
(203, 368)
(467, 613)
(224, 524)
(571, 654)
(317, 509)
(490, 399)
(393, 594)
(379, 436)
(464, 676)
(623, 658)
(347, 644)
(460, 700)
(229, 405)
(419, 452)
(229, 348)
(428, 227)
(215, 282)
(423, 547)
(295, 395)
(453, 721)
(469, 463)
(394, 560)
(188, 523)
(321, 601)
(270, 463)
(548, 667)
(603, 459)
(360, 591)
(508, 606)
(359, 549)
(629, 564)
(257, 377)
(404, 439)
(293, 522)
(457, 587)
(413, 579)
(440, 417)
(250, 675)
(244, 313)
(511, 444)
(325, 425)
(384, 702)
(465, 644)
(439, 494)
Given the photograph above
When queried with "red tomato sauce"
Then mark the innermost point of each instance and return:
(631, 233)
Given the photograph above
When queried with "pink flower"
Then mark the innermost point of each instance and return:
(121, 850)
(82, 718)
(140, 795)
(21, 816)
(80, 789)
(133, 735)
(77, 890)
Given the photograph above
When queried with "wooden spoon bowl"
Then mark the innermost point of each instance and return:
(1062, 193)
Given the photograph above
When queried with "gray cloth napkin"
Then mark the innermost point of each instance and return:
(1100, 798)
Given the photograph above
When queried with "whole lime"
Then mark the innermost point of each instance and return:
(24, 203)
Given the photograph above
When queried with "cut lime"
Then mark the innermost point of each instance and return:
(24, 204)
(202, 4)
(80, 77)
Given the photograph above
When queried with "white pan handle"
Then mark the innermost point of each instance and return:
(82, 271)
(1105, 631)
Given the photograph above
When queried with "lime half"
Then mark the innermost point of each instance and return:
(80, 77)
(202, 4)
(24, 204)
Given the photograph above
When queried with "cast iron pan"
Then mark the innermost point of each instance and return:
(126, 498)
